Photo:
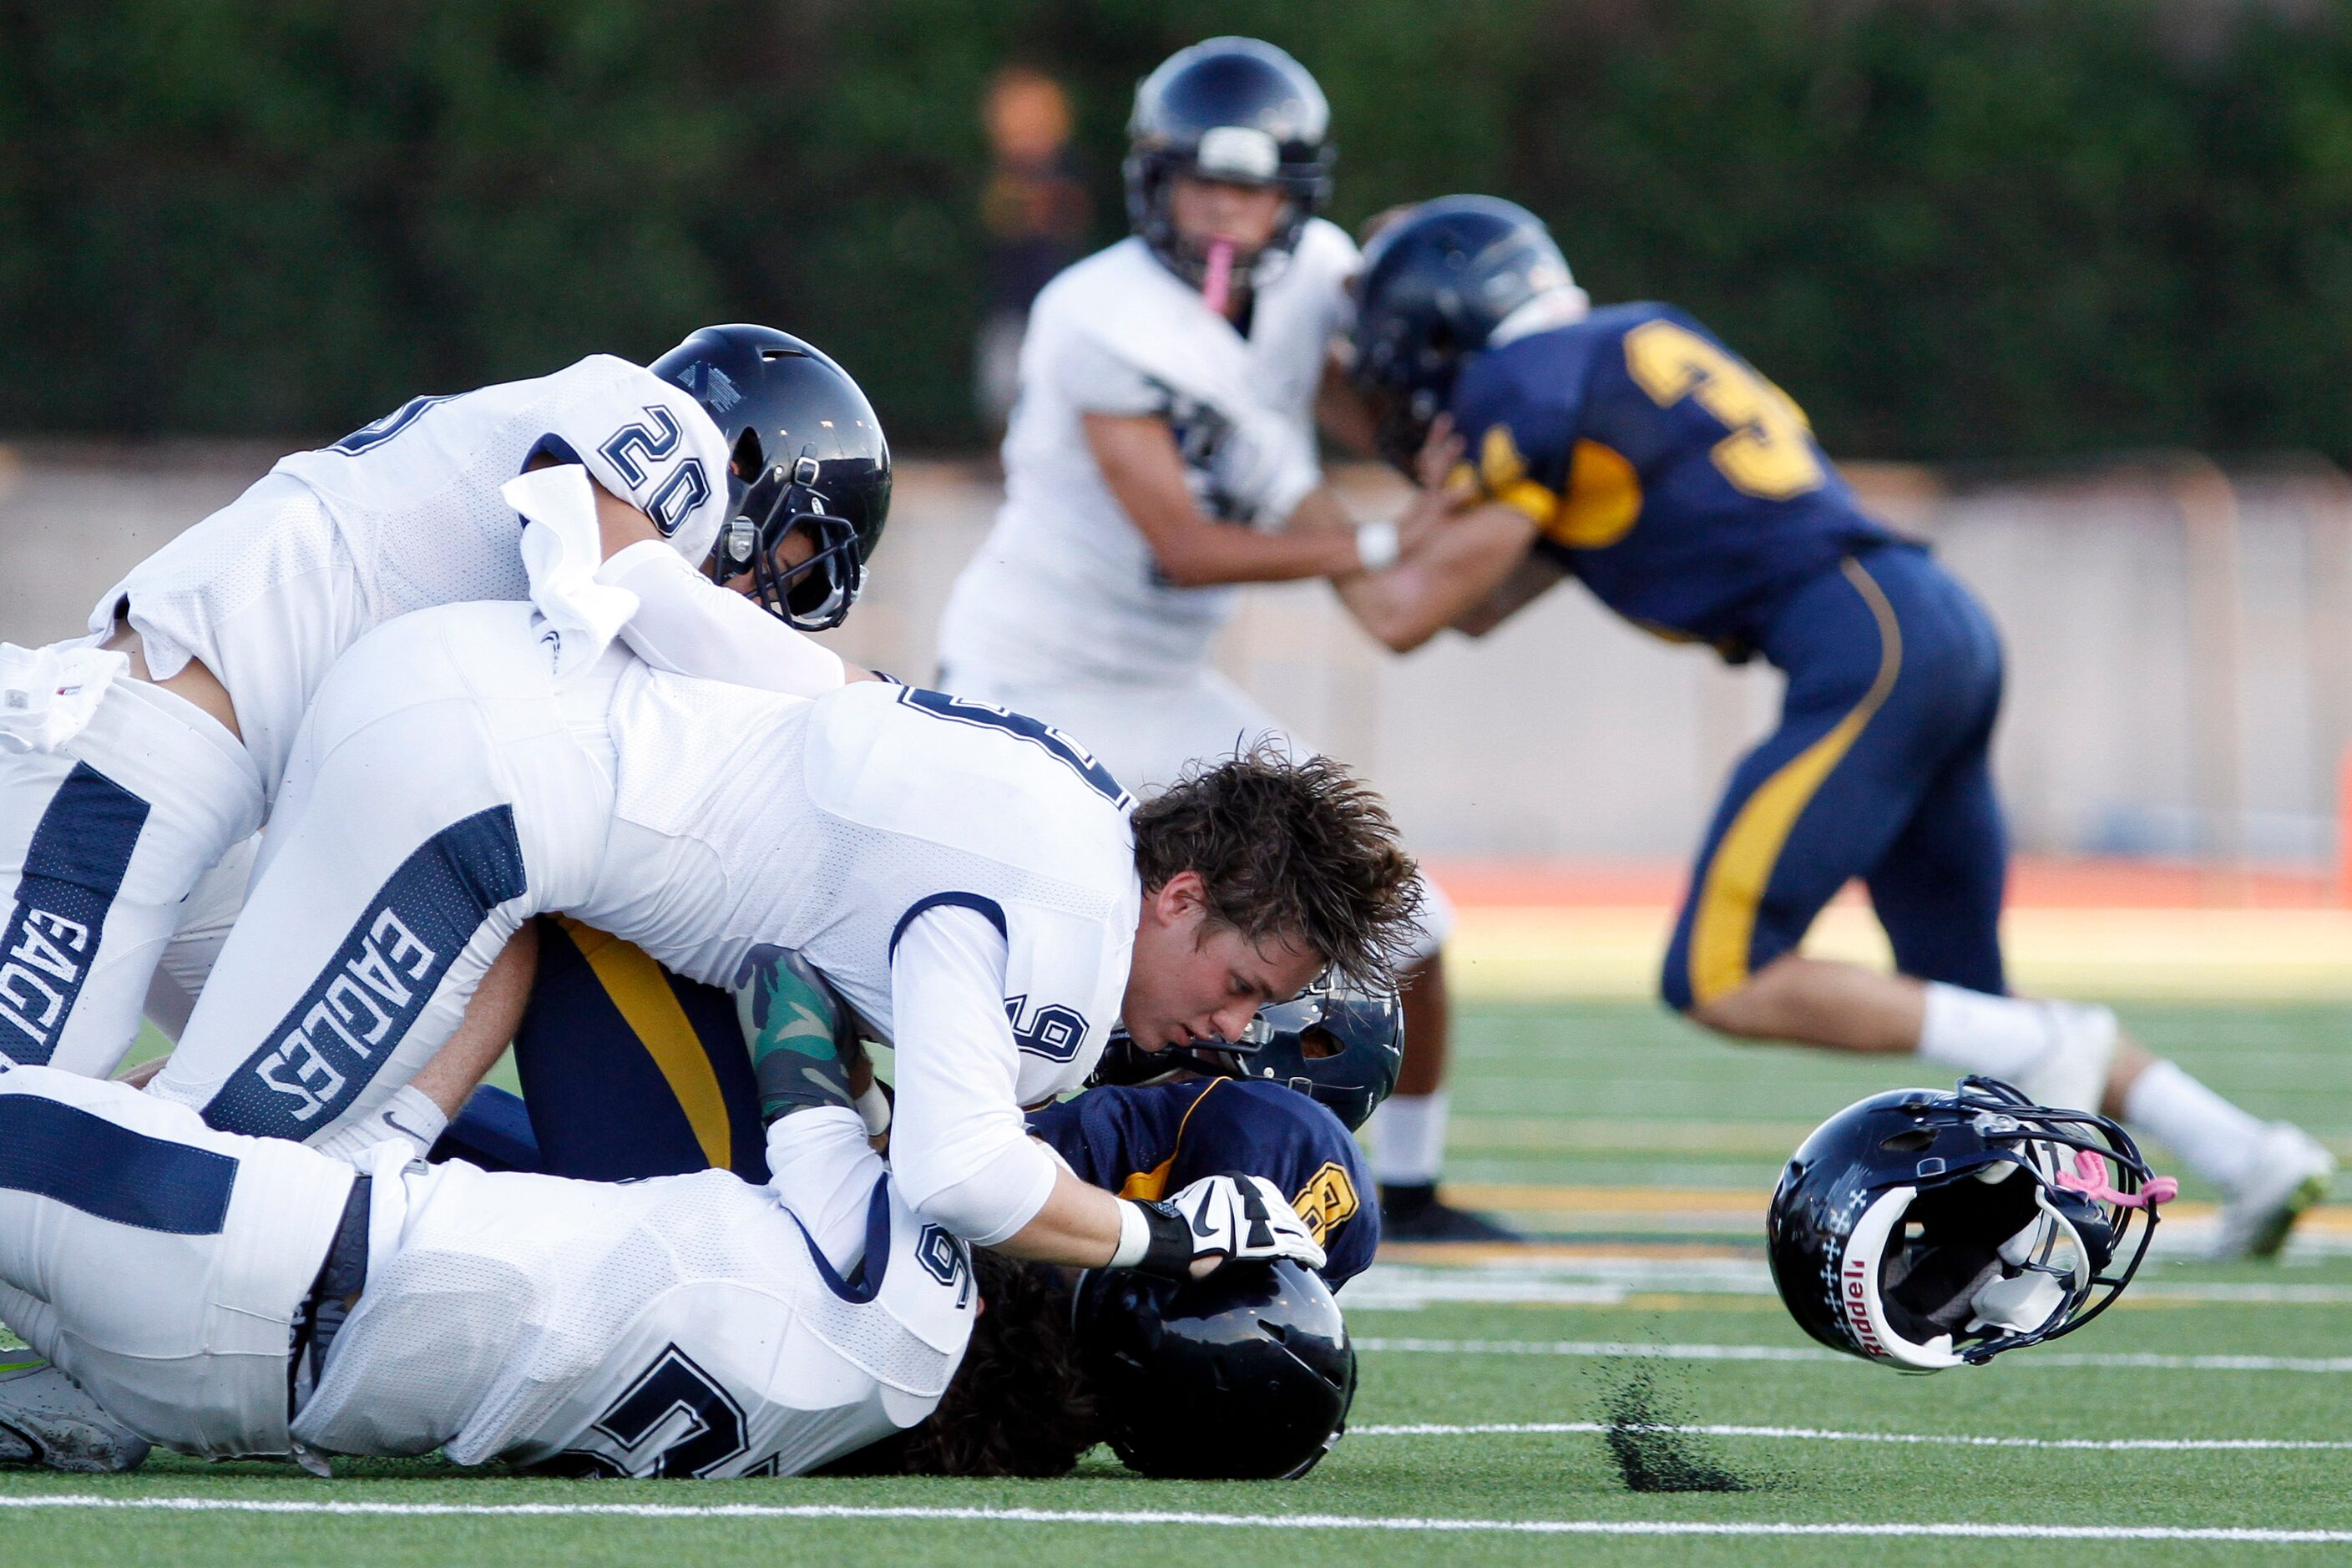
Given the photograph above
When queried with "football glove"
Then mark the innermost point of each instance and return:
(1221, 1219)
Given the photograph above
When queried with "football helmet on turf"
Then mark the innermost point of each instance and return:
(806, 453)
(1436, 283)
(1246, 1375)
(1237, 110)
(1924, 1229)
(1335, 1045)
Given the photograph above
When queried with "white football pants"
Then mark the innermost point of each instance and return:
(160, 1263)
(103, 832)
(440, 793)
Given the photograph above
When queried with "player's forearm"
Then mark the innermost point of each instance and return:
(1208, 553)
(1402, 607)
(482, 1036)
(1463, 562)
(1079, 1226)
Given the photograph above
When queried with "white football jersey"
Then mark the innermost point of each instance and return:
(685, 1326)
(403, 514)
(826, 825)
(1064, 584)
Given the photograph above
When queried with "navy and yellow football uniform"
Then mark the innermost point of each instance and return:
(1688, 493)
(630, 1071)
(1156, 1139)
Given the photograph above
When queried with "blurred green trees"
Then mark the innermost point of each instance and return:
(1953, 228)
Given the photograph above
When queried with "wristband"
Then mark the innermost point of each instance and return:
(874, 1109)
(1154, 1238)
(1377, 544)
(1134, 1235)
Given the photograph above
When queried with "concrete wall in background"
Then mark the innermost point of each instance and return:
(2179, 648)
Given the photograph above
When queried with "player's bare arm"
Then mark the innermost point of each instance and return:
(1456, 572)
(1463, 564)
(1141, 463)
(1343, 413)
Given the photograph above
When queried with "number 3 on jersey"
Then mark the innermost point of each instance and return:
(1769, 451)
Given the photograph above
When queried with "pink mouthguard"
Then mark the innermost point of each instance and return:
(1217, 285)
(2090, 1179)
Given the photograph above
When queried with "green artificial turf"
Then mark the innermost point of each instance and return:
(1597, 1095)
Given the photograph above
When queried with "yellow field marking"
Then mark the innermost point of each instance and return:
(1711, 1202)
(1475, 1254)
(1693, 1203)
(1773, 1141)
(1540, 954)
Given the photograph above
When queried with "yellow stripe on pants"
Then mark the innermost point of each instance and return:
(640, 990)
(1741, 867)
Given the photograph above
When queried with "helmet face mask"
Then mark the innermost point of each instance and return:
(813, 594)
(1235, 111)
(1924, 1229)
(1339, 1046)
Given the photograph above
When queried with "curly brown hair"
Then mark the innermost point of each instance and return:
(1018, 1405)
(1297, 850)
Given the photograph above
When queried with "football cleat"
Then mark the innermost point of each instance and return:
(46, 1419)
(1417, 1214)
(2291, 1174)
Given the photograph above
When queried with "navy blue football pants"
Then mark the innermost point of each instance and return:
(1879, 770)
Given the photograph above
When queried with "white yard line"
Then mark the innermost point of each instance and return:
(1819, 1434)
(1208, 1520)
(2037, 1358)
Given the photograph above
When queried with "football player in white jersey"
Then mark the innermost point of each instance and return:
(976, 886)
(227, 1296)
(132, 760)
(1162, 451)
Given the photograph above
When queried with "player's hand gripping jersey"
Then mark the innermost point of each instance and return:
(1152, 1139)
(964, 877)
(687, 1326)
(1684, 488)
(1066, 585)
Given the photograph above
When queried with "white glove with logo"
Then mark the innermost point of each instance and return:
(1215, 1221)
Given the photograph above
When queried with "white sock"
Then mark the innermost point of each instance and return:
(408, 1117)
(1974, 1031)
(1409, 1138)
(2213, 1137)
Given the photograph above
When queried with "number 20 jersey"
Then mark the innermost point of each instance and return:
(401, 515)
(1685, 489)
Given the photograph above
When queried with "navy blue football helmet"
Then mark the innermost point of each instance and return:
(1234, 109)
(1246, 1375)
(1341, 1047)
(805, 452)
(1925, 1228)
(1436, 282)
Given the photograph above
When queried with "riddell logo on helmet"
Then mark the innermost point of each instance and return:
(1853, 1296)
